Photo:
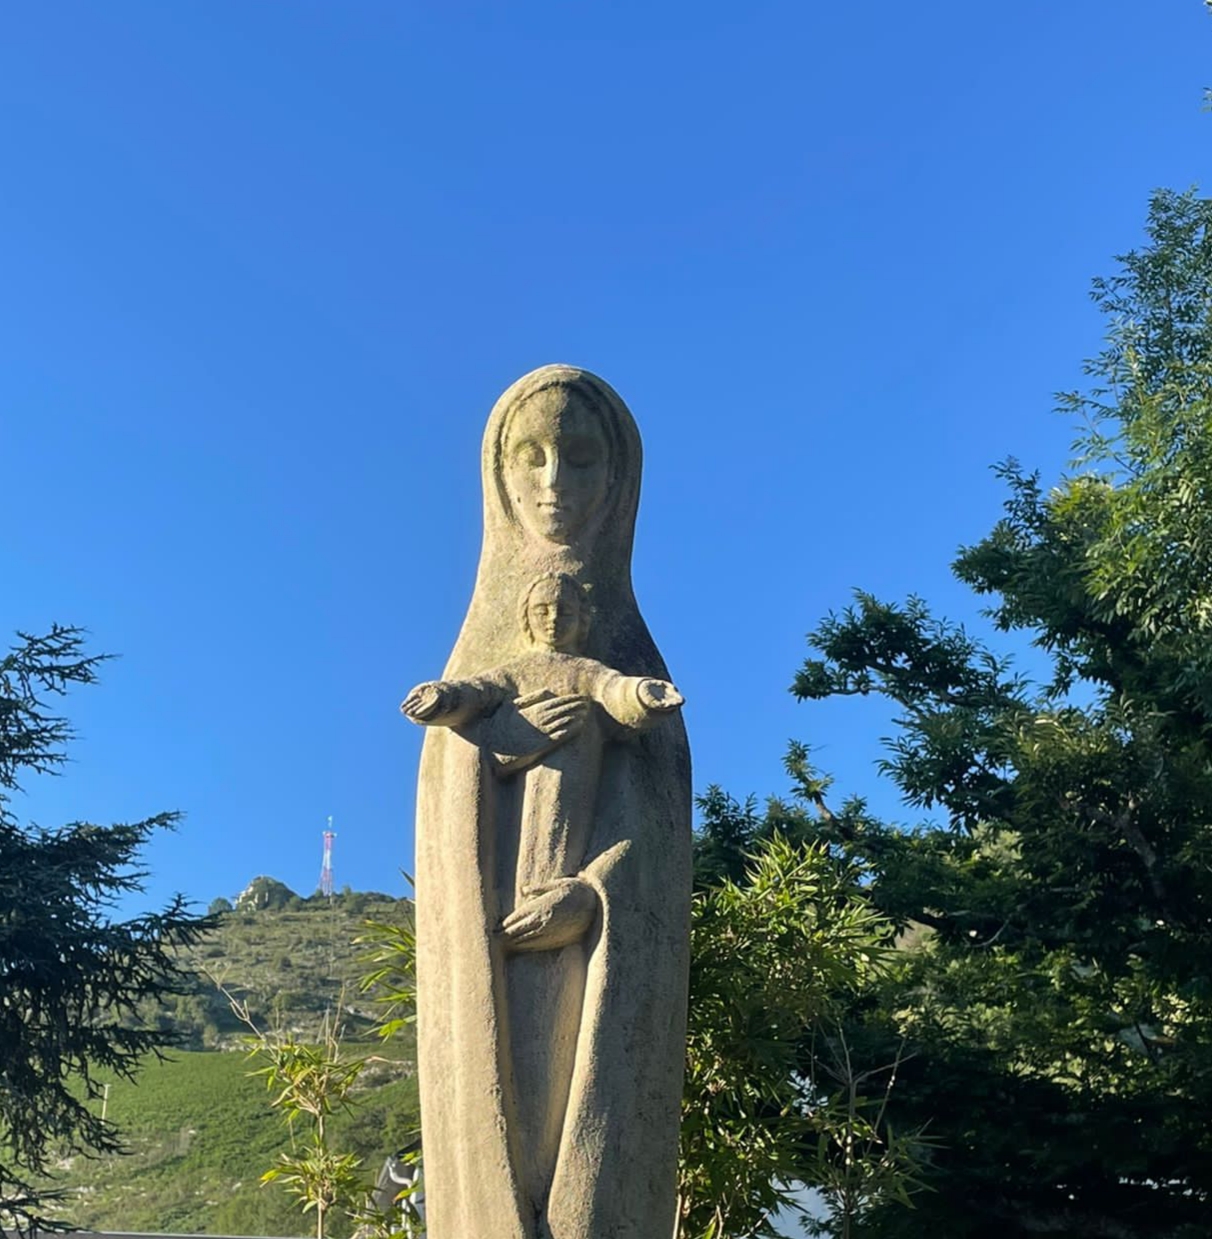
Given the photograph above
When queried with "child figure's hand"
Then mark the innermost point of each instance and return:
(659, 695)
(429, 701)
(559, 717)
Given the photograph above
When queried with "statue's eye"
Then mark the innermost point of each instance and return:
(581, 452)
(531, 454)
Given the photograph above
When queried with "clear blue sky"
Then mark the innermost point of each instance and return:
(265, 267)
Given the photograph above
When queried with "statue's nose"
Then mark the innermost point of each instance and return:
(553, 470)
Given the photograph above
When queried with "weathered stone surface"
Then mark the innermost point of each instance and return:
(553, 852)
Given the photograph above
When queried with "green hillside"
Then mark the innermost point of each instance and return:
(289, 963)
(199, 1128)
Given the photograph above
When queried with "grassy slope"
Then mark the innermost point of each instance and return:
(200, 1128)
(287, 964)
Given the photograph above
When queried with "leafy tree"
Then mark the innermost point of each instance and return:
(390, 958)
(218, 906)
(781, 934)
(310, 1081)
(1054, 989)
(71, 975)
(771, 952)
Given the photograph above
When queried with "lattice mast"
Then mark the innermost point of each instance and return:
(326, 867)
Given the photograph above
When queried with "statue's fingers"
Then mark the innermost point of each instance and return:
(529, 895)
(519, 918)
(572, 711)
(559, 707)
(566, 707)
(539, 889)
(526, 945)
(545, 706)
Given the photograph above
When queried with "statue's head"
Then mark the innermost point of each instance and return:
(556, 613)
(561, 443)
(561, 464)
(556, 462)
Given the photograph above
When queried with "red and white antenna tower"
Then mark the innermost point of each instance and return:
(326, 867)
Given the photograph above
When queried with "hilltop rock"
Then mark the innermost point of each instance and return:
(264, 892)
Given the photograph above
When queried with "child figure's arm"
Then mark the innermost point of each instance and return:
(638, 701)
(451, 703)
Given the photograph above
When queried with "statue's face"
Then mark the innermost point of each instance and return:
(557, 464)
(555, 614)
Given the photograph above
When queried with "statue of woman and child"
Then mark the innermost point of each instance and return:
(553, 852)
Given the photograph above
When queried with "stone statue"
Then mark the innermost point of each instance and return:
(553, 852)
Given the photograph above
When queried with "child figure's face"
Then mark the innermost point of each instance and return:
(554, 614)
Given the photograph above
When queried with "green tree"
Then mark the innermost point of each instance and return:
(1054, 988)
(72, 976)
(311, 1081)
(309, 1084)
(771, 1101)
(782, 937)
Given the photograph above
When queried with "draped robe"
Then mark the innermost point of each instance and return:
(615, 1174)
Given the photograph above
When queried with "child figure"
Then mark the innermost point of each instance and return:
(565, 765)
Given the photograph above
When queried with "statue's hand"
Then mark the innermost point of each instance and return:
(659, 695)
(429, 700)
(554, 914)
(558, 718)
(538, 723)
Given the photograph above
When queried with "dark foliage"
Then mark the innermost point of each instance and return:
(71, 975)
(1054, 989)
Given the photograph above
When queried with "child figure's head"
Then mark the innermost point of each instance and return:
(556, 613)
